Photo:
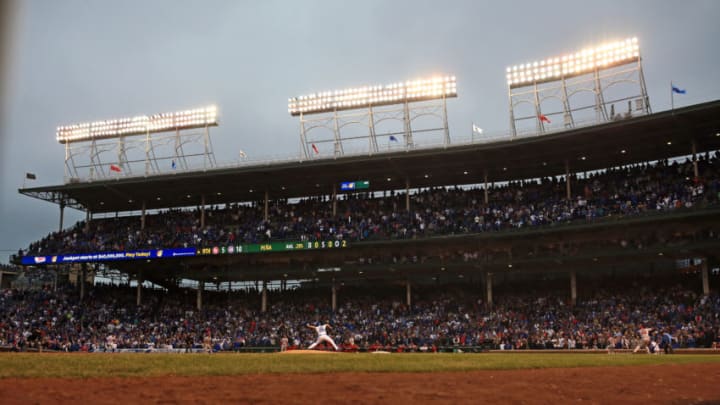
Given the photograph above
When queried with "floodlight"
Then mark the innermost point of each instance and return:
(437, 87)
(601, 57)
(196, 118)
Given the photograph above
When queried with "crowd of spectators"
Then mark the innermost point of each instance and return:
(25, 277)
(454, 317)
(56, 319)
(616, 192)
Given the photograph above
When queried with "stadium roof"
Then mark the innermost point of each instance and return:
(646, 138)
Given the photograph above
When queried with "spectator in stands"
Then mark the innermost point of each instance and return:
(632, 190)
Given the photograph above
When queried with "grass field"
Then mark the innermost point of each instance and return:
(144, 365)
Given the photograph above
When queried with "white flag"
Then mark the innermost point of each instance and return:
(242, 154)
(477, 129)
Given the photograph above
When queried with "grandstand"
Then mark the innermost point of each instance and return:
(655, 137)
(629, 201)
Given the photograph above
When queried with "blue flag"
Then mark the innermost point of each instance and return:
(393, 139)
(173, 164)
(678, 90)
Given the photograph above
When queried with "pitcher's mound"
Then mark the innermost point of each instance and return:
(307, 352)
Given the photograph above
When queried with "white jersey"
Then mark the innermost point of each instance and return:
(322, 337)
(645, 333)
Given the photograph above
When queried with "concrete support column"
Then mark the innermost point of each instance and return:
(334, 200)
(142, 216)
(201, 287)
(267, 205)
(334, 296)
(568, 193)
(488, 289)
(140, 281)
(694, 158)
(263, 305)
(486, 189)
(573, 287)
(407, 195)
(88, 218)
(83, 275)
(202, 211)
(62, 215)
(705, 280)
(408, 294)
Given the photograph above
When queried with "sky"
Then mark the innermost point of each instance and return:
(77, 61)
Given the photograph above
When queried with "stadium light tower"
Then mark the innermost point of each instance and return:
(370, 105)
(92, 140)
(593, 70)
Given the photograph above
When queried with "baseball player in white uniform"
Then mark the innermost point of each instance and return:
(322, 336)
(644, 339)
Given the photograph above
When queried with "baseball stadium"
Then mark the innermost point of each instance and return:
(572, 257)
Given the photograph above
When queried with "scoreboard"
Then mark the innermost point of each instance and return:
(174, 253)
(354, 185)
(271, 247)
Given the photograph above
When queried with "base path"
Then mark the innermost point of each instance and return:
(666, 384)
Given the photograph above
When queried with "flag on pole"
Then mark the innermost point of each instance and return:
(393, 139)
(677, 90)
(242, 154)
(173, 164)
(544, 118)
(115, 168)
(674, 89)
(30, 176)
(315, 148)
(477, 129)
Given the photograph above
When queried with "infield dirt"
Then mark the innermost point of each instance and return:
(657, 384)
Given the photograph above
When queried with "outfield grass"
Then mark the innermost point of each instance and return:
(146, 365)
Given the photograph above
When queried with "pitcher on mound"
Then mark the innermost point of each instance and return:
(322, 335)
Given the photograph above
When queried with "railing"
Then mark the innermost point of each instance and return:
(460, 349)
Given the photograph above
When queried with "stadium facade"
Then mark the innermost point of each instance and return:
(574, 253)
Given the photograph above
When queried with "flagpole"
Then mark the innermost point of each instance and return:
(672, 97)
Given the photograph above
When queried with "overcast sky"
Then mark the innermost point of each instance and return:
(77, 61)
